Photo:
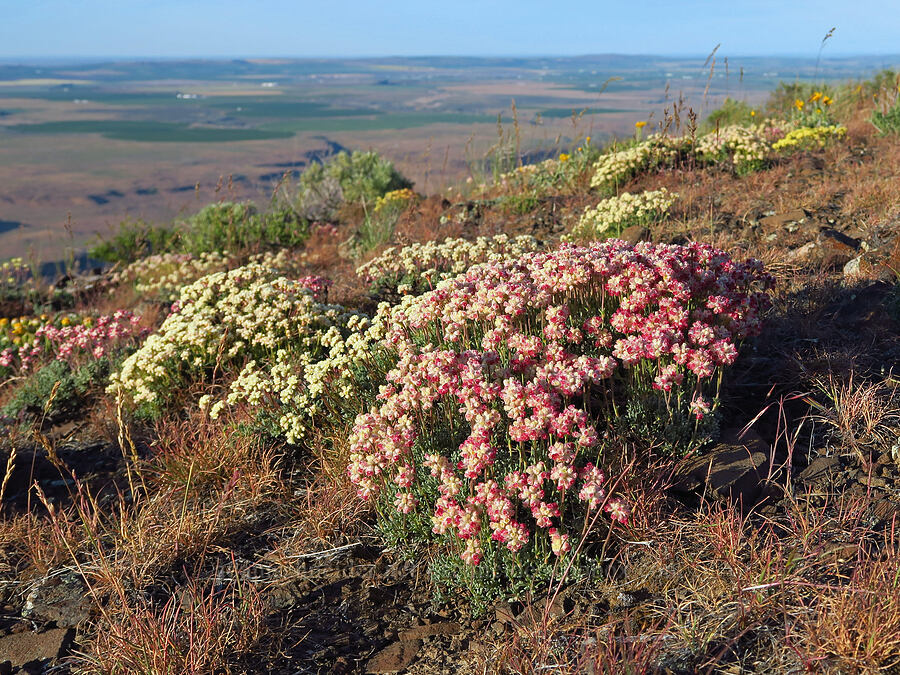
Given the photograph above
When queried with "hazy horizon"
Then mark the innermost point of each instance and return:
(88, 58)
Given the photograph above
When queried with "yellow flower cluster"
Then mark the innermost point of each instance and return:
(395, 199)
(809, 137)
(617, 213)
(13, 272)
(20, 331)
(422, 265)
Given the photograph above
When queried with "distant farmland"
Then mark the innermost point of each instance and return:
(83, 146)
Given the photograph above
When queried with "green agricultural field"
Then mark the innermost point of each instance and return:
(568, 112)
(150, 132)
(280, 109)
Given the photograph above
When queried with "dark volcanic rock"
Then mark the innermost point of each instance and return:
(395, 657)
(818, 469)
(733, 469)
(62, 598)
(28, 646)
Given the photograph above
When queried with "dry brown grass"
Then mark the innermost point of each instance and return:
(816, 590)
(194, 631)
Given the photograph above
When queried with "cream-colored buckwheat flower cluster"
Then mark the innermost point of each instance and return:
(744, 146)
(613, 215)
(615, 168)
(227, 318)
(419, 267)
(299, 383)
(164, 275)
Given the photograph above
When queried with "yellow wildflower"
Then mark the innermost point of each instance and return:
(798, 104)
(65, 321)
(563, 157)
(826, 100)
(815, 97)
(752, 113)
(640, 125)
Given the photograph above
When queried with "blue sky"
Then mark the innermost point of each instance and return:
(177, 28)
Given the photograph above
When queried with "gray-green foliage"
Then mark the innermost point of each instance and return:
(888, 122)
(357, 178)
(35, 395)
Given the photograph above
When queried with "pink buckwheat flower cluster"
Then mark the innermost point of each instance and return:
(487, 427)
(95, 337)
(65, 340)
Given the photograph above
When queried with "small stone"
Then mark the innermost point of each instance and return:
(885, 510)
(504, 613)
(732, 469)
(782, 219)
(838, 241)
(395, 657)
(803, 253)
(61, 598)
(852, 268)
(873, 481)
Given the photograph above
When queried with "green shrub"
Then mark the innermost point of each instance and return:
(731, 112)
(238, 226)
(136, 239)
(888, 122)
(357, 178)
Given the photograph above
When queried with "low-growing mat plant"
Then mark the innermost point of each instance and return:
(493, 436)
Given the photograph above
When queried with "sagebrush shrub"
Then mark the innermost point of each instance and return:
(362, 177)
(240, 226)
